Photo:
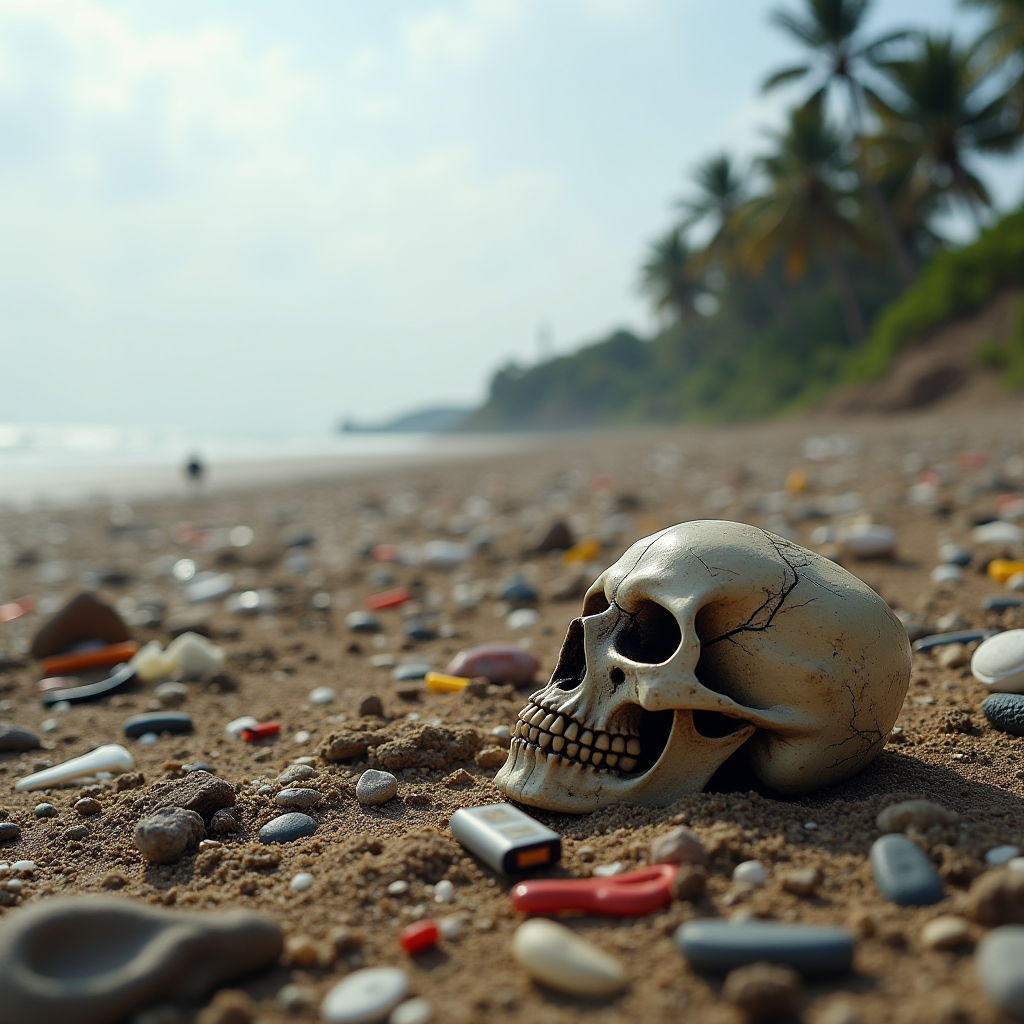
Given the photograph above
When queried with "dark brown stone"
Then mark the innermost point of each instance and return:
(82, 618)
(198, 791)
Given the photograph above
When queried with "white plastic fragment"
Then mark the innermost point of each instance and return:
(234, 729)
(188, 656)
(111, 757)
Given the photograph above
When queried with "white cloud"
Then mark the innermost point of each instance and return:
(459, 38)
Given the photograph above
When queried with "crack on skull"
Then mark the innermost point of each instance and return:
(711, 572)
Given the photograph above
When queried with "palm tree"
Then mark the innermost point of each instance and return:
(801, 216)
(721, 190)
(671, 277)
(840, 55)
(942, 112)
(1006, 33)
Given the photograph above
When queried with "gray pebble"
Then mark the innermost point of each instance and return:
(46, 811)
(903, 873)
(198, 766)
(87, 806)
(75, 833)
(998, 961)
(720, 946)
(287, 827)
(411, 670)
(9, 831)
(376, 787)
(157, 722)
(171, 694)
(297, 798)
(297, 773)
(163, 837)
(678, 846)
(223, 821)
(1005, 711)
(15, 740)
(198, 791)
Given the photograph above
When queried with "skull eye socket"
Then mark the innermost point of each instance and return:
(648, 635)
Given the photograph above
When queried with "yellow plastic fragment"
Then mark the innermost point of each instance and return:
(438, 682)
(585, 551)
(1000, 570)
(796, 481)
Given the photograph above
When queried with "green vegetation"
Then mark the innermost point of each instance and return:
(817, 263)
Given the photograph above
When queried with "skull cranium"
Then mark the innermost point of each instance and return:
(699, 640)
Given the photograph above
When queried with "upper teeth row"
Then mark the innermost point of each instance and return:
(565, 736)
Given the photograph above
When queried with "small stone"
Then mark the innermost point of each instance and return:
(321, 695)
(14, 740)
(87, 806)
(752, 872)
(523, 618)
(1000, 855)
(223, 821)
(1005, 711)
(304, 798)
(412, 1011)
(171, 694)
(371, 707)
(75, 833)
(922, 814)
(951, 622)
(376, 787)
(164, 836)
(365, 997)
(763, 990)
(946, 932)
(609, 870)
(297, 773)
(301, 882)
(498, 662)
(444, 892)
(996, 898)
(287, 827)
(301, 951)
(801, 881)
(167, 954)
(362, 622)
(678, 846)
(197, 766)
(82, 619)
(198, 791)
(689, 882)
(46, 811)
(559, 959)
(9, 831)
(294, 998)
(998, 663)
(411, 671)
(998, 960)
(459, 777)
(903, 873)
(345, 940)
(954, 656)
(491, 757)
(229, 1006)
(717, 946)
(398, 888)
(157, 722)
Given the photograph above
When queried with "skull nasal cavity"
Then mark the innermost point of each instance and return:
(649, 634)
(572, 659)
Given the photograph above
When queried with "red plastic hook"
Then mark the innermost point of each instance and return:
(630, 895)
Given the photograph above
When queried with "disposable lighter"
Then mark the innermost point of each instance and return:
(505, 838)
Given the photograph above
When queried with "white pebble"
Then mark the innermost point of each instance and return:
(301, 882)
(947, 574)
(148, 739)
(607, 870)
(1000, 855)
(523, 618)
(560, 959)
(502, 732)
(302, 736)
(234, 729)
(398, 888)
(444, 892)
(750, 871)
(321, 695)
(48, 725)
(412, 1011)
(453, 926)
(998, 663)
(14, 885)
(1016, 864)
(22, 867)
(365, 997)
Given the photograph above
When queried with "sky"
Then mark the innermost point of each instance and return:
(273, 214)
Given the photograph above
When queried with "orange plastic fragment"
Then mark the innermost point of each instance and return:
(104, 657)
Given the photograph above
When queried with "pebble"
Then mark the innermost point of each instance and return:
(297, 773)
(801, 881)
(998, 663)
(523, 618)
(223, 821)
(868, 540)
(371, 707)
(157, 722)
(362, 622)
(375, 787)
(46, 811)
(1001, 602)
(163, 837)
(1000, 855)
(903, 873)
(411, 670)
(491, 757)
(946, 573)
(1005, 711)
(752, 872)
(198, 791)
(412, 1011)
(922, 814)
(365, 997)
(558, 958)
(609, 870)
(444, 892)
(287, 827)
(197, 766)
(416, 629)
(954, 656)
(497, 662)
(960, 636)
(294, 998)
(718, 946)
(677, 847)
(87, 806)
(998, 963)
(171, 693)
(398, 888)
(322, 695)
(298, 798)
(997, 897)
(15, 740)
(516, 592)
(8, 831)
(234, 729)
(149, 739)
(950, 622)
(997, 532)
(954, 554)
(946, 932)
(111, 757)
(763, 990)
(301, 882)
(83, 618)
(170, 955)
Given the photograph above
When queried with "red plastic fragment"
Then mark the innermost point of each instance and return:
(630, 895)
(387, 599)
(15, 609)
(385, 553)
(261, 731)
(419, 936)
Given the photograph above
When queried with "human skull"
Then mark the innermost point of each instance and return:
(701, 639)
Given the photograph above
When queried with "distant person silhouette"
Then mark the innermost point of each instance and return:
(195, 470)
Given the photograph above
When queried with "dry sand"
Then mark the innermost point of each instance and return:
(657, 478)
